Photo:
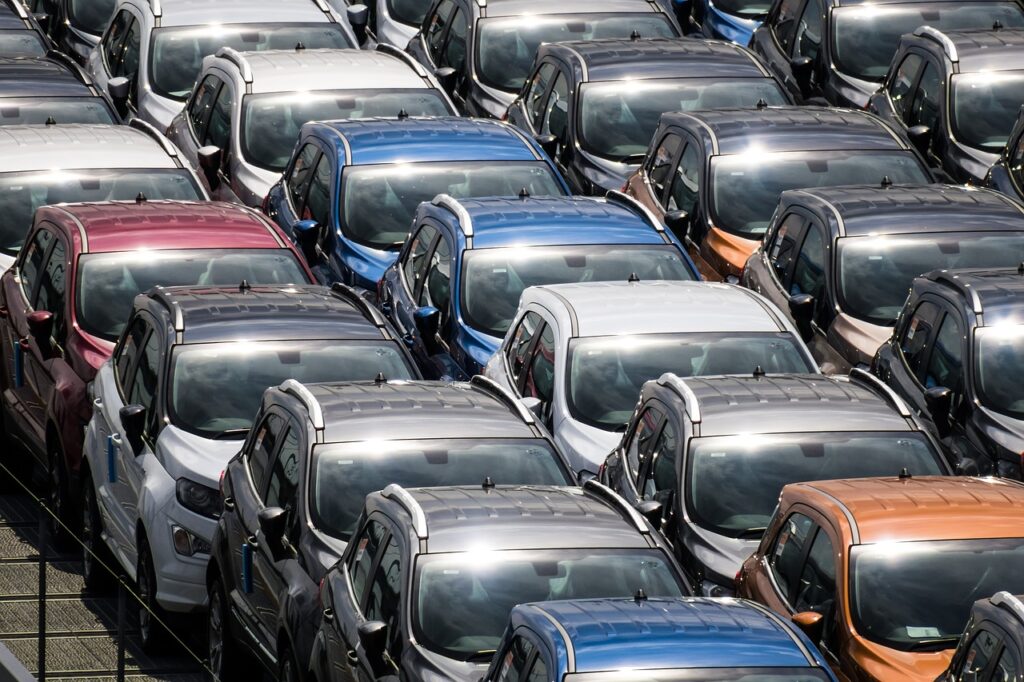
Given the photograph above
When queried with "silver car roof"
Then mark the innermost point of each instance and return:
(351, 69)
(198, 12)
(57, 147)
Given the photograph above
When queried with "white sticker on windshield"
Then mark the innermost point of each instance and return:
(922, 632)
(718, 454)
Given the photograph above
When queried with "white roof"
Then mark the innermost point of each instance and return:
(43, 147)
(351, 69)
(199, 12)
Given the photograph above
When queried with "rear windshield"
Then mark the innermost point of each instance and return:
(21, 44)
(91, 16)
(61, 109)
(985, 106)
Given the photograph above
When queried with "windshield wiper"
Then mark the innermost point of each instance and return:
(230, 433)
(482, 655)
(934, 644)
(751, 533)
(632, 158)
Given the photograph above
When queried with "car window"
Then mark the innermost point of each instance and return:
(789, 550)
(53, 286)
(556, 117)
(32, 264)
(415, 264)
(437, 291)
(661, 481)
(127, 352)
(455, 49)
(809, 271)
(539, 671)
(115, 35)
(783, 248)
(925, 108)
(219, 127)
(144, 381)
(978, 655)
(362, 559)
(129, 67)
(318, 202)
(535, 93)
(642, 443)
(660, 165)
(516, 659)
(786, 24)
(201, 106)
(283, 486)
(540, 378)
(519, 345)
(945, 366)
(816, 590)
(902, 82)
(301, 174)
(436, 29)
(810, 30)
(267, 435)
(1007, 668)
(686, 183)
(915, 339)
(383, 600)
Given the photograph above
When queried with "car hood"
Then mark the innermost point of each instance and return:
(719, 557)
(586, 447)
(190, 456)
(882, 663)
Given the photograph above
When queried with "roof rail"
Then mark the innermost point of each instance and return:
(157, 9)
(401, 496)
(150, 130)
(498, 391)
(65, 60)
(235, 57)
(620, 198)
(326, 9)
(295, 388)
(465, 222)
(887, 393)
(393, 51)
(614, 499)
(685, 392)
(353, 297)
(951, 280)
(1008, 601)
(19, 9)
(939, 37)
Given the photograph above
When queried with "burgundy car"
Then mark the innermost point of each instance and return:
(67, 297)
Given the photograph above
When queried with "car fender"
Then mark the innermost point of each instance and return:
(68, 408)
(299, 615)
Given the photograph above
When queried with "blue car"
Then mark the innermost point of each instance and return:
(650, 640)
(732, 20)
(455, 287)
(348, 194)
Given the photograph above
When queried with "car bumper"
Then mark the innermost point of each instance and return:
(180, 579)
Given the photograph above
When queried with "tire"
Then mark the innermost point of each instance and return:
(151, 632)
(224, 663)
(58, 498)
(97, 560)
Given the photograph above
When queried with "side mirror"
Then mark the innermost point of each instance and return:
(650, 510)
(307, 234)
(133, 422)
(967, 466)
(802, 68)
(119, 89)
(358, 17)
(801, 307)
(939, 399)
(210, 160)
(272, 527)
(373, 636)
(446, 76)
(40, 326)
(428, 324)
(549, 143)
(921, 137)
(43, 19)
(678, 222)
(534, 405)
(811, 624)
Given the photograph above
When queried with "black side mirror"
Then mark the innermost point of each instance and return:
(921, 137)
(939, 400)
(801, 307)
(307, 234)
(43, 19)
(40, 326)
(133, 422)
(802, 68)
(428, 324)
(549, 143)
(650, 510)
(678, 222)
(446, 76)
(373, 637)
(210, 160)
(967, 466)
(272, 527)
(119, 89)
(358, 17)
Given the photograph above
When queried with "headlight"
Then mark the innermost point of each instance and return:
(188, 543)
(198, 498)
(710, 589)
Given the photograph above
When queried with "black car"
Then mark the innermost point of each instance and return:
(50, 89)
(840, 50)
(956, 95)
(957, 356)
(294, 493)
(74, 25)
(992, 646)
(20, 32)
(594, 104)
(1007, 173)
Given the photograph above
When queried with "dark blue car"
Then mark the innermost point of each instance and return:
(350, 189)
(455, 287)
(732, 20)
(650, 640)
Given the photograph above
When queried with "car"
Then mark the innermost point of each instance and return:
(454, 289)
(60, 163)
(66, 299)
(74, 26)
(595, 104)
(157, 444)
(881, 573)
(20, 33)
(151, 53)
(302, 493)
(433, 573)
(992, 646)
(1005, 175)
(840, 50)
(390, 22)
(240, 124)
(715, 176)
(482, 51)
(954, 357)
(840, 260)
(708, 456)
(580, 361)
(956, 95)
(51, 89)
(396, 163)
(732, 20)
(648, 638)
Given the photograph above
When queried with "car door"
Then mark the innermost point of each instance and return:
(453, 55)
(529, 105)
(218, 134)
(197, 121)
(44, 360)
(538, 381)
(899, 89)
(807, 45)
(656, 173)
(945, 368)
(427, 46)
(771, 275)
(384, 599)
(296, 181)
(517, 350)
(925, 105)
(406, 288)
(555, 119)
(104, 60)
(436, 292)
(775, 43)
(683, 194)
(660, 477)
(636, 450)
(978, 664)
(811, 270)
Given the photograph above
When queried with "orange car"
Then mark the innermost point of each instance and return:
(882, 573)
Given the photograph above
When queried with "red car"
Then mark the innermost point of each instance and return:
(67, 297)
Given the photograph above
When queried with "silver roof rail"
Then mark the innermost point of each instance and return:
(887, 392)
(465, 222)
(236, 58)
(1007, 600)
(401, 496)
(157, 9)
(948, 278)
(20, 9)
(501, 393)
(685, 392)
(618, 197)
(326, 9)
(350, 295)
(614, 499)
(393, 51)
(296, 389)
(939, 37)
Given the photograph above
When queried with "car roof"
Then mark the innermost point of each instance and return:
(788, 128)
(9, 15)
(416, 139)
(197, 12)
(326, 69)
(504, 8)
(657, 307)
(39, 77)
(854, 3)
(918, 508)
(400, 410)
(996, 295)
(288, 312)
(620, 59)
(981, 50)
(1003, 608)
(155, 225)
(25, 148)
(660, 633)
(910, 209)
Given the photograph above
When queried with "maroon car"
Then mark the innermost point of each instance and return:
(67, 297)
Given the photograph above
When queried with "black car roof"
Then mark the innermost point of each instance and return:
(979, 50)
(995, 295)
(40, 77)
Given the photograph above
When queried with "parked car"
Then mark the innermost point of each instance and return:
(151, 53)
(595, 104)
(156, 444)
(54, 164)
(992, 646)
(840, 260)
(65, 301)
(1005, 174)
(390, 22)
(840, 50)
(247, 108)
(482, 52)
(715, 177)
(20, 33)
(653, 639)
(732, 20)
(956, 95)
(455, 287)
(299, 484)
(428, 585)
(51, 89)
(882, 573)
(580, 362)
(955, 357)
(75, 26)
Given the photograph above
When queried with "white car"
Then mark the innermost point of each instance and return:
(578, 354)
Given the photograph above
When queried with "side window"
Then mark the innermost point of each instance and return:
(32, 265)
(662, 479)
(437, 291)
(318, 203)
(283, 488)
(902, 82)
(945, 366)
(785, 23)
(219, 130)
(516, 659)
(1007, 668)
(816, 590)
(540, 378)
(1017, 162)
(686, 183)
(385, 590)
(660, 165)
(810, 30)
(519, 346)
(925, 109)
(267, 435)
(556, 117)
(539, 671)
(789, 550)
(115, 35)
(435, 31)
(809, 273)
(535, 95)
(415, 265)
(130, 56)
(201, 106)
(914, 343)
(640, 447)
(978, 656)
(128, 351)
(50, 296)
(302, 173)
(455, 49)
(362, 559)
(144, 383)
(782, 251)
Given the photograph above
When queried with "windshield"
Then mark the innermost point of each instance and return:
(1000, 369)
(506, 45)
(875, 273)
(618, 118)
(746, 187)
(177, 53)
(705, 675)
(345, 473)
(985, 105)
(271, 123)
(22, 193)
(109, 282)
(90, 16)
(865, 37)
(462, 601)
(607, 373)
(746, 9)
(378, 202)
(216, 388)
(62, 109)
(494, 279)
(21, 44)
(733, 482)
(409, 12)
(916, 596)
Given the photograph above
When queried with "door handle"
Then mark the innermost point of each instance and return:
(229, 503)
(4, 312)
(24, 344)
(328, 615)
(252, 541)
(353, 657)
(98, 402)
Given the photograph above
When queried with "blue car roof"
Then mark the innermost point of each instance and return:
(408, 140)
(616, 634)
